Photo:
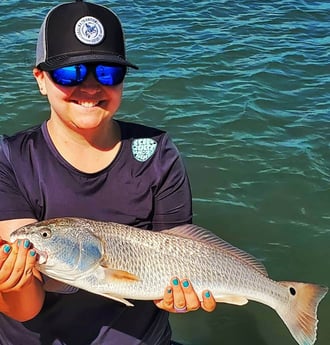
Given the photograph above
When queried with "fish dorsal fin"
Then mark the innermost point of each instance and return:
(197, 233)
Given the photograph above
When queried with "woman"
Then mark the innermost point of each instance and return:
(83, 163)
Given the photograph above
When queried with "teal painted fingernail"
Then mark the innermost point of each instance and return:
(207, 294)
(32, 252)
(175, 282)
(26, 244)
(19, 243)
(6, 248)
(169, 290)
(185, 283)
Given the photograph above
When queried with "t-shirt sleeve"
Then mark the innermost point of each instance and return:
(173, 204)
(13, 204)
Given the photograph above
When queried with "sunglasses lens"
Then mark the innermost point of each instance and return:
(110, 75)
(76, 74)
(69, 75)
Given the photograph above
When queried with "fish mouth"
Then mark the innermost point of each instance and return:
(42, 256)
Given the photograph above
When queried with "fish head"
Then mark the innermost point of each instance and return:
(65, 246)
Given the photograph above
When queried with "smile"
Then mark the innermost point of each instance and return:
(88, 104)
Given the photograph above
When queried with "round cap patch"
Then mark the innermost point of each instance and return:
(143, 148)
(89, 30)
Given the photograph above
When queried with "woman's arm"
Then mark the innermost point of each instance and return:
(21, 291)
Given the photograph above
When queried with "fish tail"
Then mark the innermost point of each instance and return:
(300, 313)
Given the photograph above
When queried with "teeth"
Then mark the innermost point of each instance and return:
(87, 104)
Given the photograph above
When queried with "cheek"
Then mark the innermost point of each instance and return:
(56, 93)
(115, 95)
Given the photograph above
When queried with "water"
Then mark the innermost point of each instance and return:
(243, 87)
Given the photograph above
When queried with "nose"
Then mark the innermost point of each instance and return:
(90, 84)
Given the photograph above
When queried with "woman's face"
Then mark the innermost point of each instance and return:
(86, 106)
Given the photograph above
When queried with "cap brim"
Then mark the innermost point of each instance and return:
(62, 61)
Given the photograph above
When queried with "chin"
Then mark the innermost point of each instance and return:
(86, 125)
(88, 122)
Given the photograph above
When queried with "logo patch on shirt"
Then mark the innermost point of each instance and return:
(89, 30)
(143, 148)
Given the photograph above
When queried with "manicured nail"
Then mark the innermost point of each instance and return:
(6, 248)
(175, 282)
(19, 243)
(26, 244)
(207, 294)
(185, 283)
(169, 290)
(32, 252)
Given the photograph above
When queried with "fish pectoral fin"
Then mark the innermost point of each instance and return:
(52, 285)
(120, 274)
(231, 299)
(111, 273)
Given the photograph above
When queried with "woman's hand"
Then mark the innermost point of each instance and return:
(180, 297)
(17, 261)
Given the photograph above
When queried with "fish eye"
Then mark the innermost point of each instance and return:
(292, 291)
(45, 233)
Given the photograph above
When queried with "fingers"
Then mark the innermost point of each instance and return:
(4, 252)
(208, 302)
(167, 302)
(8, 258)
(28, 272)
(180, 297)
(185, 296)
(26, 260)
(17, 261)
(174, 300)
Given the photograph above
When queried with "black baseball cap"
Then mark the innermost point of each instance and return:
(80, 32)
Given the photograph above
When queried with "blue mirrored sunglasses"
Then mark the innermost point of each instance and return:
(74, 75)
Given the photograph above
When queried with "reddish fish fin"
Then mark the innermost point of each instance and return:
(196, 233)
(300, 313)
(111, 273)
(121, 275)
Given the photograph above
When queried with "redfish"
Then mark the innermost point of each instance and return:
(122, 262)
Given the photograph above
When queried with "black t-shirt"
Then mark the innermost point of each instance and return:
(145, 186)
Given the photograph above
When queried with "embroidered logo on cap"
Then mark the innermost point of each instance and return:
(89, 30)
(143, 148)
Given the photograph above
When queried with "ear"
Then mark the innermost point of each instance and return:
(39, 75)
